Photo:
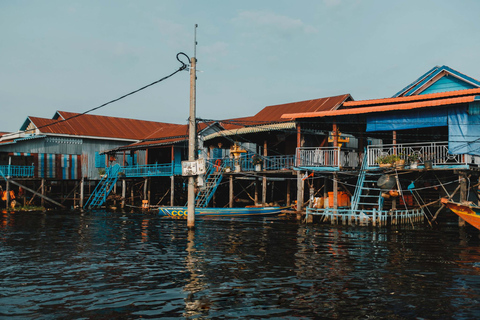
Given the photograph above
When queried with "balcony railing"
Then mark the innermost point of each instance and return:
(149, 170)
(18, 171)
(328, 157)
(435, 152)
(271, 163)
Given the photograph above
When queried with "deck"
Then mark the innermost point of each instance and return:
(434, 155)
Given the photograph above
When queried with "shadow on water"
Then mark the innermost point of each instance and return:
(104, 265)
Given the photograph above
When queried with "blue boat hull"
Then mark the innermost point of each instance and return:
(248, 211)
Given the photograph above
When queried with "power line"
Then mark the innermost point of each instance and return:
(181, 68)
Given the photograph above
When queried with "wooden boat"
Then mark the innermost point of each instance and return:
(468, 211)
(247, 211)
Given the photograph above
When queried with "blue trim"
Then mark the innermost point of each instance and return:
(417, 84)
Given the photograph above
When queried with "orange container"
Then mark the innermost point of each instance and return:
(343, 199)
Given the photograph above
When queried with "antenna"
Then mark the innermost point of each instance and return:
(195, 40)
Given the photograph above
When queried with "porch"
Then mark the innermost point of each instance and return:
(13, 171)
(422, 155)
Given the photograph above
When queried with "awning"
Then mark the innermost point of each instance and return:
(253, 129)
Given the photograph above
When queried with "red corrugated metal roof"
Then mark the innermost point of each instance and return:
(274, 113)
(383, 108)
(441, 95)
(99, 126)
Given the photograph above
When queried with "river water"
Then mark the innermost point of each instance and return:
(106, 265)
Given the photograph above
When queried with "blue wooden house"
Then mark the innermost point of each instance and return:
(432, 125)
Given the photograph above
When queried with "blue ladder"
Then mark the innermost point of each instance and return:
(214, 176)
(367, 192)
(104, 187)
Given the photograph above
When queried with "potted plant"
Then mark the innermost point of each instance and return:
(428, 161)
(413, 160)
(387, 160)
(257, 161)
(102, 172)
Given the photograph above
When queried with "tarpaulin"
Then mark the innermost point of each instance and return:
(463, 132)
(412, 119)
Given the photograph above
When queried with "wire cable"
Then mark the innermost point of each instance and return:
(181, 68)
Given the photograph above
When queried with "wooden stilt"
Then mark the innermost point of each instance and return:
(172, 190)
(300, 191)
(230, 193)
(42, 201)
(82, 191)
(264, 190)
(7, 195)
(256, 190)
(463, 195)
(124, 192)
(288, 193)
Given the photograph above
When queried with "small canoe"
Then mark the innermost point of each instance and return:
(468, 212)
(247, 211)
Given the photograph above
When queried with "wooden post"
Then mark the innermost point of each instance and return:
(42, 201)
(149, 189)
(82, 191)
(335, 191)
(325, 192)
(230, 192)
(7, 194)
(124, 192)
(132, 198)
(256, 190)
(264, 179)
(172, 190)
(300, 191)
(288, 193)
(463, 195)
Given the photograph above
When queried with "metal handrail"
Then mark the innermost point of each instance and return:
(435, 152)
(18, 171)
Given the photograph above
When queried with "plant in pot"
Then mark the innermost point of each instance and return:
(102, 172)
(388, 160)
(413, 159)
(257, 161)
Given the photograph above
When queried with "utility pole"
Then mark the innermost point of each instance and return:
(192, 136)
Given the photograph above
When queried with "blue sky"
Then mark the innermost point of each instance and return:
(76, 55)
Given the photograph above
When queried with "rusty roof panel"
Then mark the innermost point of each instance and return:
(274, 113)
(98, 126)
(422, 97)
(383, 108)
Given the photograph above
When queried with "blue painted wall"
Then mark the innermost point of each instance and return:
(448, 83)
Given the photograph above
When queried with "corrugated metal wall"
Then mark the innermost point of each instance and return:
(64, 157)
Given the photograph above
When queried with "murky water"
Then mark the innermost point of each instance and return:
(106, 265)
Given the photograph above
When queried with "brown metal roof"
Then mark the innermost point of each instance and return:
(430, 96)
(383, 108)
(99, 126)
(274, 113)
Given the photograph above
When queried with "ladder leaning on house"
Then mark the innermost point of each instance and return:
(367, 194)
(104, 187)
(213, 176)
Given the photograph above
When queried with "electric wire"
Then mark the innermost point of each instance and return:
(181, 68)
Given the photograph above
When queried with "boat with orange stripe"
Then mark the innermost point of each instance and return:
(467, 211)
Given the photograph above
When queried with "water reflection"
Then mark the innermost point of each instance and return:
(107, 265)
